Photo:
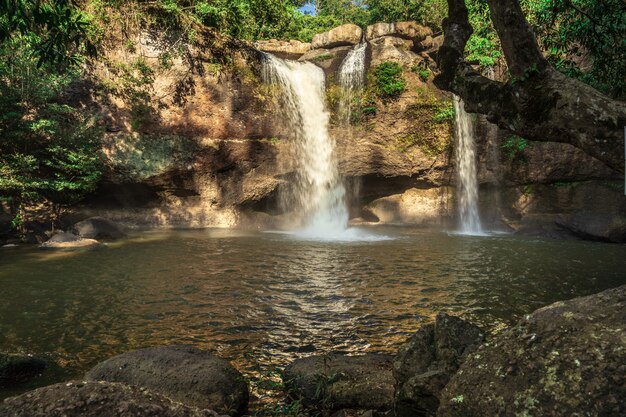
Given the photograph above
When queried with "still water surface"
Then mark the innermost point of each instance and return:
(263, 298)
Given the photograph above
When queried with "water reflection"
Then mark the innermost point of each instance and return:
(269, 298)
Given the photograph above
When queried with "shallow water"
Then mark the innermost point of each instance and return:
(267, 298)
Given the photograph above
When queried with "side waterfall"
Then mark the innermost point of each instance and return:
(352, 70)
(466, 171)
(318, 192)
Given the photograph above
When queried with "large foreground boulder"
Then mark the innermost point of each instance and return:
(183, 373)
(69, 241)
(427, 361)
(344, 35)
(98, 228)
(342, 382)
(566, 359)
(19, 368)
(605, 227)
(101, 399)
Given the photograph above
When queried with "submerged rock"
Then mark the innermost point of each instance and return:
(426, 362)
(98, 228)
(102, 399)
(595, 226)
(66, 240)
(19, 368)
(342, 382)
(566, 359)
(192, 376)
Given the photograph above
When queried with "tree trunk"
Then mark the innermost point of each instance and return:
(538, 103)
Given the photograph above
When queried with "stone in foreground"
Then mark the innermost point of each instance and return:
(19, 368)
(101, 399)
(566, 359)
(427, 361)
(98, 228)
(186, 374)
(69, 241)
(342, 382)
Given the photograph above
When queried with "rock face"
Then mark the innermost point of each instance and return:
(191, 376)
(343, 35)
(69, 241)
(426, 362)
(98, 228)
(391, 48)
(566, 359)
(595, 226)
(19, 368)
(342, 382)
(292, 49)
(429, 206)
(102, 399)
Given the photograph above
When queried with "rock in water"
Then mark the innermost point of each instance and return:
(338, 381)
(566, 359)
(183, 373)
(98, 228)
(69, 241)
(101, 399)
(427, 360)
(19, 368)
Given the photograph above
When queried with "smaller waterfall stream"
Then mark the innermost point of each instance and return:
(466, 170)
(352, 70)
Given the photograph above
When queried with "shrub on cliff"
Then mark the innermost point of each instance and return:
(389, 80)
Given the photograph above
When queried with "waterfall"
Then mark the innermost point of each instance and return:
(318, 192)
(352, 70)
(466, 171)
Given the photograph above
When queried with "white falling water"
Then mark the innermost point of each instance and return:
(318, 192)
(352, 70)
(466, 171)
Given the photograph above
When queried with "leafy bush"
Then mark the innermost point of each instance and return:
(514, 146)
(389, 80)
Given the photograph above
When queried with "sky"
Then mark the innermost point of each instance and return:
(308, 8)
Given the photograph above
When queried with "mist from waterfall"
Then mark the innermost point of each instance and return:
(467, 189)
(318, 192)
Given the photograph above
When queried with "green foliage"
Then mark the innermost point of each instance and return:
(445, 112)
(390, 82)
(323, 57)
(48, 149)
(514, 146)
(483, 47)
(421, 69)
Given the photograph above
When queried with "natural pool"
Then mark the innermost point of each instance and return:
(262, 299)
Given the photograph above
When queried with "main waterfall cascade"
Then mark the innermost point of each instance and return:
(466, 170)
(318, 192)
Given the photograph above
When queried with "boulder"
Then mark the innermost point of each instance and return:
(19, 368)
(378, 30)
(292, 49)
(390, 48)
(338, 381)
(419, 206)
(65, 240)
(566, 359)
(605, 227)
(412, 30)
(98, 228)
(344, 35)
(102, 399)
(327, 59)
(186, 374)
(427, 360)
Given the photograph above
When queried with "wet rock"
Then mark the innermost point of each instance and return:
(344, 35)
(595, 226)
(98, 228)
(427, 360)
(292, 49)
(65, 240)
(342, 382)
(428, 206)
(102, 399)
(19, 368)
(183, 373)
(566, 359)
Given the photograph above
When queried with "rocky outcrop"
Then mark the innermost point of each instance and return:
(69, 241)
(292, 49)
(595, 226)
(102, 399)
(191, 376)
(430, 206)
(98, 228)
(344, 35)
(390, 48)
(19, 368)
(411, 30)
(342, 382)
(566, 359)
(426, 362)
